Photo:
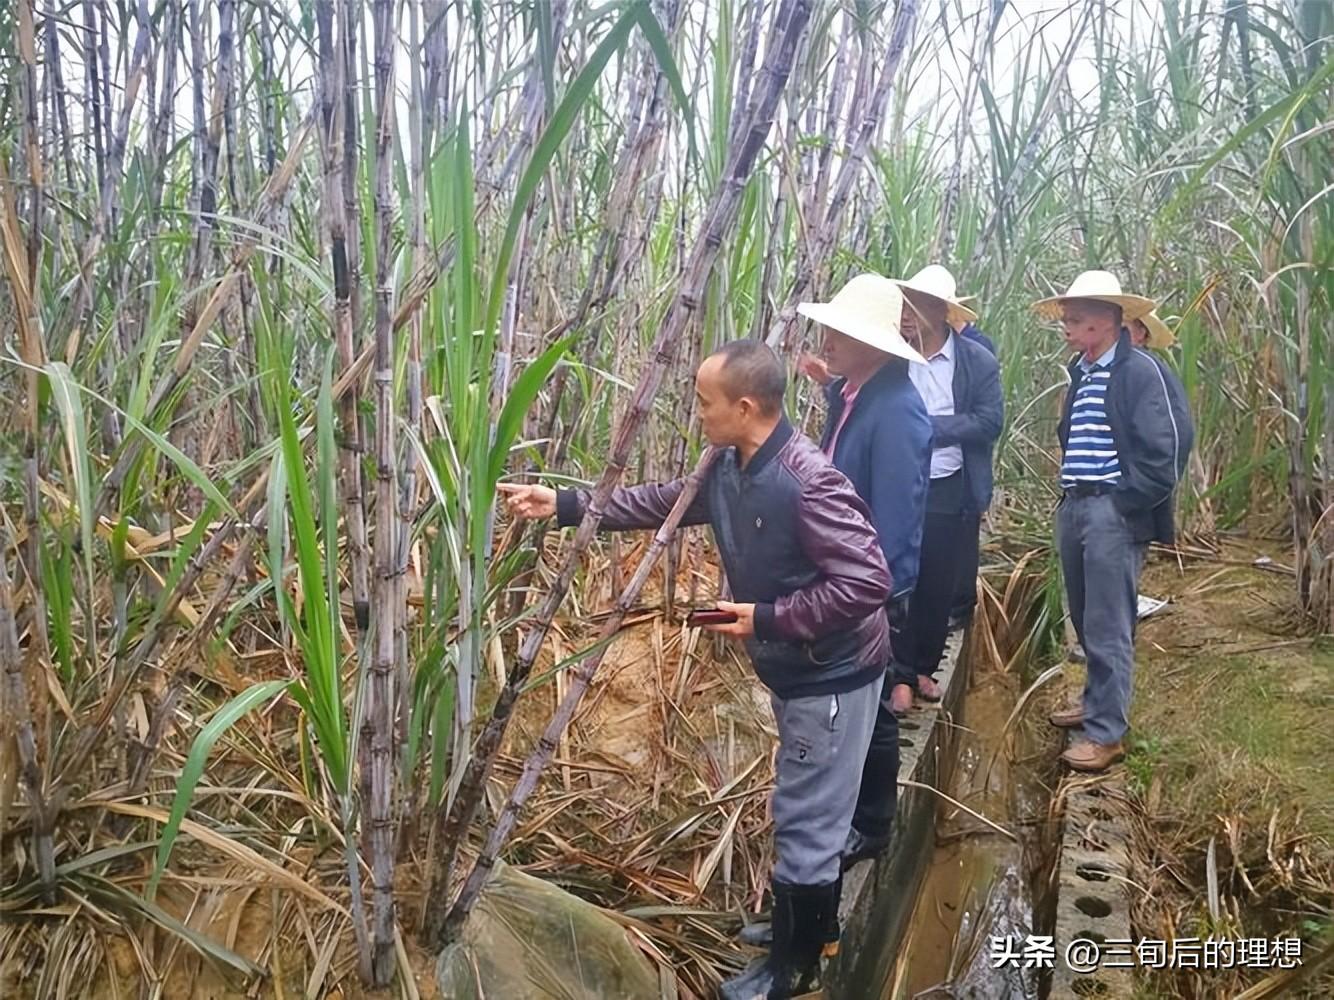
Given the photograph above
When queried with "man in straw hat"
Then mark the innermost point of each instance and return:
(810, 586)
(960, 383)
(878, 433)
(965, 593)
(1123, 448)
(1150, 331)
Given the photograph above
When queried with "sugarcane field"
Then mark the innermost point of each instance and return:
(666, 499)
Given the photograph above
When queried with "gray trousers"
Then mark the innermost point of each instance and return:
(822, 745)
(1101, 563)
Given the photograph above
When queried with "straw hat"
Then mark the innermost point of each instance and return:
(867, 308)
(1100, 285)
(937, 282)
(1160, 337)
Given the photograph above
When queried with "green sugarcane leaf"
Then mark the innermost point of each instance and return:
(521, 397)
(662, 51)
(226, 717)
(66, 395)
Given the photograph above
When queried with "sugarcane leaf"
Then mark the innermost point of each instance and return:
(662, 51)
(117, 896)
(66, 396)
(521, 397)
(226, 717)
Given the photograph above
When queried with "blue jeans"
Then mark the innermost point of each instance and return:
(1101, 563)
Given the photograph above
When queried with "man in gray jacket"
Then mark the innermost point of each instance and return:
(1124, 445)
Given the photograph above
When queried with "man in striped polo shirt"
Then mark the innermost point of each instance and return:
(1123, 449)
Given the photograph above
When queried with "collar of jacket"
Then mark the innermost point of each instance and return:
(773, 444)
(892, 370)
(1123, 349)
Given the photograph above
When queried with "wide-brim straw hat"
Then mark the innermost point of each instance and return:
(1102, 286)
(937, 282)
(868, 308)
(1160, 336)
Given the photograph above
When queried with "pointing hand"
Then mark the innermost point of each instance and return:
(528, 501)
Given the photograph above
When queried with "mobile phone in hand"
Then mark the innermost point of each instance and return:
(709, 616)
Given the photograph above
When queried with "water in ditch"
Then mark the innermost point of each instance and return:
(979, 884)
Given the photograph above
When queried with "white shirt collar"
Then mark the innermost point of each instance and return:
(946, 351)
(1107, 358)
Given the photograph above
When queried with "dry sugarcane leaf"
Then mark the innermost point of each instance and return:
(233, 849)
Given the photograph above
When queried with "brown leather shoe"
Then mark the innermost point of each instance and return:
(1067, 717)
(1088, 756)
(900, 700)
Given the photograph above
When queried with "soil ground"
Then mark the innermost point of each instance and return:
(1231, 743)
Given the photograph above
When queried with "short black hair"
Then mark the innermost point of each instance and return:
(751, 368)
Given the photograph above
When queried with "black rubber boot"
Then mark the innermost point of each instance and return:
(760, 933)
(861, 848)
(803, 915)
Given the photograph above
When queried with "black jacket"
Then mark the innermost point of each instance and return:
(1151, 427)
(797, 542)
(979, 414)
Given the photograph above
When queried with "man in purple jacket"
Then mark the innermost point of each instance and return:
(810, 586)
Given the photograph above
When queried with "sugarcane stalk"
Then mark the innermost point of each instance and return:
(1042, 118)
(104, 55)
(32, 143)
(249, 416)
(94, 152)
(375, 748)
(833, 108)
(764, 305)
(16, 723)
(160, 126)
(420, 116)
(351, 149)
(333, 70)
(860, 90)
(108, 176)
(746, 64)
(32, 351)
(822, 242)
(612, 263)
(436, 53)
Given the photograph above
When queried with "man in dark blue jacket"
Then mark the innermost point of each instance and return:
(960, 384)
(1124, 443)
(878, 433)
(971, 332)
(965, 595)
(809, 584)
